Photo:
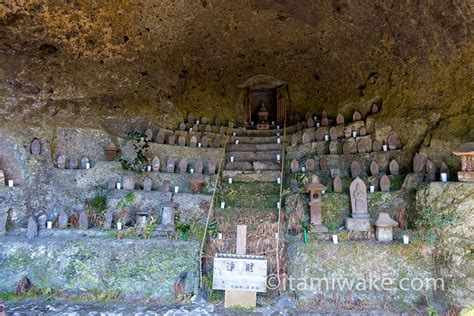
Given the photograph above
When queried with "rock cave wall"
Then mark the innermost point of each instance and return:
(120, 66)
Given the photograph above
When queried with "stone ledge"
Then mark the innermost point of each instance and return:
(133, 267)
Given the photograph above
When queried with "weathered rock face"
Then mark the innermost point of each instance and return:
(324, 274)
(140, 268)
(106, 64)
(454, 249)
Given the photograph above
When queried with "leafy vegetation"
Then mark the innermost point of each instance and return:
(140, 144)
(431, 224)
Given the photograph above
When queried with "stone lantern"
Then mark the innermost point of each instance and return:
(110, 151)
(466, 152)
(384, 227)
(315, 190)
(167, 217)
(142, 219)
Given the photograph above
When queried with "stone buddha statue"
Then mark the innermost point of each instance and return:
(263, 113)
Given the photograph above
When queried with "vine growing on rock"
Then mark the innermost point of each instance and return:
(140, 143)
(432, 223)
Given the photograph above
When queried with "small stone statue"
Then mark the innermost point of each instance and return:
(263, 113)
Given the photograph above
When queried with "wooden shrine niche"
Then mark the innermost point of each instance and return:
(268, 93)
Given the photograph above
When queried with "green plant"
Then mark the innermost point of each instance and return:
(213, 229)
(149, 230)
(140, 144)
(128, 200)
(183, 228)
(432, 311)
(99, 203)
(212, 295)
(432, 222)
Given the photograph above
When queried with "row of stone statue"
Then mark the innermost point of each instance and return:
(72, 163)
(183, 166)
(142, 219)
(340, 120)
(392, 142)
(384, 184)
(356, 169)
(423, 165)
(185, 140)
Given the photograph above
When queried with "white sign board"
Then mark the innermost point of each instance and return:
(240, 273)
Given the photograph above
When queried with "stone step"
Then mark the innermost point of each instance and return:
(252, 176)
(256, 165)
(253, 156)
(254, 147)
(256, 140)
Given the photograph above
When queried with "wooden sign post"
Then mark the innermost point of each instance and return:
(240, 275)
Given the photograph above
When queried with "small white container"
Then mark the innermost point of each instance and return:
(119, 186)
(222, 204)
(119, 226)
(326, 137)
(385, 148)
(303, 169)
(88, 165)
(199, 145)
(231, 158)
(252, 123)
(190, 130)
(236, 141)
(49, 225)
(444, 177)
(372, 189)
(273, 122)
(317, 124)
(278, 157)
(11, 183)
(176, 189)
(230, 180)
(278, 205)
(234, 134)
(219, 235)
(278, 140)
(354, 134)
(279, 180)
(335, 239)
(315, 118)
(191, 170)
(278, 126)
(406, 239)
(278, 134)
(148, 168)
(197, 122)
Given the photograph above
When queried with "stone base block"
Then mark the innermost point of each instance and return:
(319, 229)
(358, 224)
(466, 176)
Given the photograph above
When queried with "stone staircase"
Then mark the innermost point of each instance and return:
(256, 157)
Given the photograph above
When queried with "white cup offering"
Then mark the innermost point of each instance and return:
(197, 122)
(278, 140)
(372, 189)
(236, 141)
(199, 145)
(317, 124)
(88, 165)
(385, 148)
(191, 170)
(219, 235)
(49, 225)
(234, 134)
(10, 183)
(406, 239)
(279, 180)
(176, 189)
(326, 137)
(278, 157)
(119, 186)
(230, 180)
(231, 158)
(444, 177)
(222, 204)
(335, 239)
(119, 226)
(303, 169)
(278, 205)
(354, 134)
